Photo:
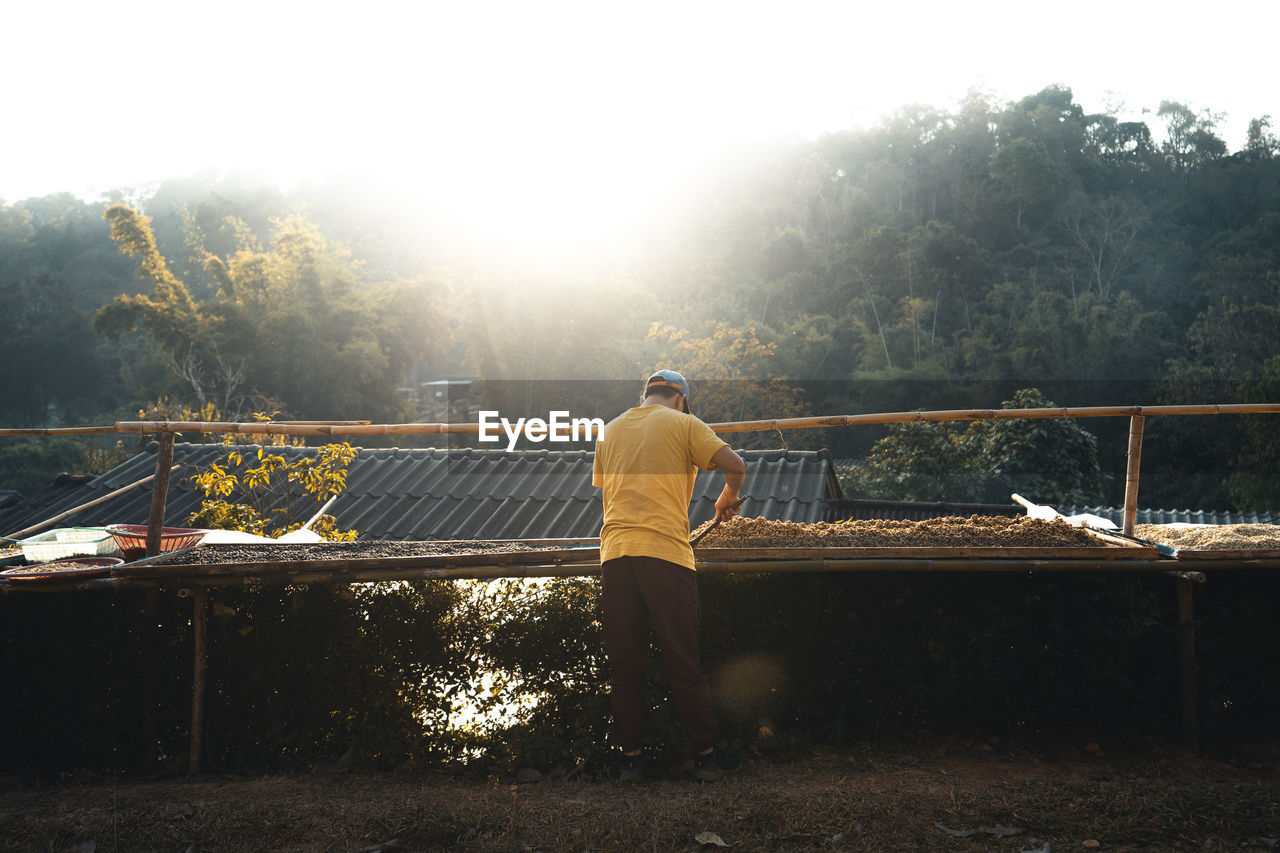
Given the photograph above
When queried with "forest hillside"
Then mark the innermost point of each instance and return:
(940, 259)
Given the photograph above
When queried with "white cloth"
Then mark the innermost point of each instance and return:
(239, 537)
(1048, 513)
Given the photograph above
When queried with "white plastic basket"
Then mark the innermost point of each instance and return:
(66, 542)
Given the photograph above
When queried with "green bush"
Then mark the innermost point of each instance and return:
(297, 676)
(1051, 460)
(301, 676)
(28, 465)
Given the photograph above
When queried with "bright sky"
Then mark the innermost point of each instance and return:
(527, 115)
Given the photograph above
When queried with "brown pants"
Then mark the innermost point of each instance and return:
(638, 590)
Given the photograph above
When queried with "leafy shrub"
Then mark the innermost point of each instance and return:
(1052, 460)
(266, 490)
(301, 676)
(297, 676)
(29, 465)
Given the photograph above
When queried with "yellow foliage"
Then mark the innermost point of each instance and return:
(729, 373)
(261, 494)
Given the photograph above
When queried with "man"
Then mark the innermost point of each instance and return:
(645, 466)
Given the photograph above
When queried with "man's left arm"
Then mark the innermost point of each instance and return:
(735, 474)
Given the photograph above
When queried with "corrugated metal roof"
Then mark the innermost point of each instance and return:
(415, 494)
(1175, 516)
(916, 510)
(920, 510)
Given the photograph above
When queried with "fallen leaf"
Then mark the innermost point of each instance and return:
(1091, 843)
(957, 833)
(709, 838)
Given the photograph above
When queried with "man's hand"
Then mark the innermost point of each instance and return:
(727, 505)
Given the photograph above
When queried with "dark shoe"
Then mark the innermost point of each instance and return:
(712, 766)
(631, 768)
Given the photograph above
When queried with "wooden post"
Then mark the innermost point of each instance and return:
(1187, 665)
(199, 629)
(1131, 473)
(159, 493)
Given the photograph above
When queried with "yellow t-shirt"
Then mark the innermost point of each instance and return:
(645, 467)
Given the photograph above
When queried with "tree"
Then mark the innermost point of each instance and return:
(1191, 141)
(1121, 146)
(1049, 460)
(54, 372)
(730, 375)
(1028, 174)
(917, 462)
(1106, 231)
(1234, 340)
(298, 321)
(168, 314)
(1254, 483)
(1260, 141)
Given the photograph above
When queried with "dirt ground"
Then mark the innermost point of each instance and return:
(974, 795)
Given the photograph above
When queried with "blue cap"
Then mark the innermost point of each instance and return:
(669, 379)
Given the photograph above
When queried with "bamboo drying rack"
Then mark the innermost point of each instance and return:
(196, 583)
(166, 430)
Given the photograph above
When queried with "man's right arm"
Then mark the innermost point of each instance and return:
(735, 473)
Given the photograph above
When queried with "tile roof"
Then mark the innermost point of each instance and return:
(915, 510)
(413, 494)
(1175, 516)
(919, 510)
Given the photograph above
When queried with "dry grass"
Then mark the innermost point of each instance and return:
(939, 796)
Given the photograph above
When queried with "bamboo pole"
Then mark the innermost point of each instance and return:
(733, 426)
(271, 428)
(1187, 666)
(159, 493)
(96, 430)
(152, 569)
(1131, 473)
(358, 566)
(82, 507)
(993, 414)
(199, 630)
(889, 564)
(817, 422)
(586, 570)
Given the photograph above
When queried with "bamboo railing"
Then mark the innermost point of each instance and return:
(1136, 414)
(817, 422)
(197, 583)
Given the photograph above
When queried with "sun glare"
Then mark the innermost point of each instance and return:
(542, 129)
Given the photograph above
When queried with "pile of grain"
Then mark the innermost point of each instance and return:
(46, 569)
(1220, 537)
(949, 532)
